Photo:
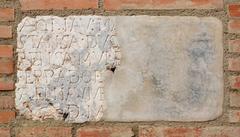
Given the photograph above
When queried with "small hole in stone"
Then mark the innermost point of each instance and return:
(112, 69)
(65, 115)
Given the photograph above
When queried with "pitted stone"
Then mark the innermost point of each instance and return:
(61, 63)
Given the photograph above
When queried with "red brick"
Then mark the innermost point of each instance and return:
(6, 51)
(162, 4)
(5, 132)
(235, 99)
(189, 132)
(104, 132)
(6, 67)
(234, 82)
(6, 117)
(234, 116)
(234, 10)
(44, 132)
(6, 102)
(234, 45)
(6, 85)
(234, 64)
(6, 14)
(57, 4)
(234, 26)
(5, 31)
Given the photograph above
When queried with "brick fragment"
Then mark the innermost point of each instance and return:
(6, 14)
(6, 85)
(6, 51)
(234, 10)
(162, 4)
(6, 102)
(104, 132)
(234, 64)
(234, 116)
(6, 67)
(5, 132)
(5, 31)
(44, 132)
(234, 45)
(234, 26)
(57, 4)
(235, 99)
(6, 117)
(234, 82)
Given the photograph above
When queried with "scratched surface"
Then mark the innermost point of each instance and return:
(61, 63)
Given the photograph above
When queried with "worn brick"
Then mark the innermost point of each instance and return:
(6, 102)
(234, 116)
(234, 45)
(5, 31)
(6, 67)
(6, 51)
(5, 132)
(235, 99)
(44, 132)
(162, 4)
(234, 64)
(6, 117)
(234, 26)
(57, 4)
(104, 132)
(189, 132)
(6, 14)
(234, 10)
(6, 85)
(234, 82)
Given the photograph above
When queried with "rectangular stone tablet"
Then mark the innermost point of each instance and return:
(120, 68)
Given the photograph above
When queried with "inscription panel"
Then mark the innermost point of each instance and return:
(61, 63)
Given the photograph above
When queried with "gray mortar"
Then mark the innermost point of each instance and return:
(219, 13)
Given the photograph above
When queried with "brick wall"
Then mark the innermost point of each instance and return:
(14, 125)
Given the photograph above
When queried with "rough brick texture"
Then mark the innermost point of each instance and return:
(5, 132)
(6, 51)
(234, 82)
(6, 67)
(234, 10)
(234, 26)
(189, 132)
(6, 14)
(234, 116)
(234, 45)
(162, 4)
(234, 64)
(5, 31)
(57, 4)
(6, 117)
(235, 99)
(6, 102)
(44, 132)
(104, 132)
(6, 85)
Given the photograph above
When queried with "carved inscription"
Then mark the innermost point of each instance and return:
(61, 63)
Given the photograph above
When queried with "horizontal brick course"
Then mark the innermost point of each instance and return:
(234, 45)
(6, 51)
(234, 26)
(6, 14)
(234, 82)
(6, 117)
(234, 64)
(44, 132)
(162, 4)
(57, 4)
(5, 31)
(234, 116)
(235, 99)
(189, 132)
(6, 102)
(6, 85)
(5, 132)
(6, 67)
(234, 10)
(104, 132)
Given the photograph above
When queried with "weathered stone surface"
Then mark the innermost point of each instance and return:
(61, 62)
(171, 69)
